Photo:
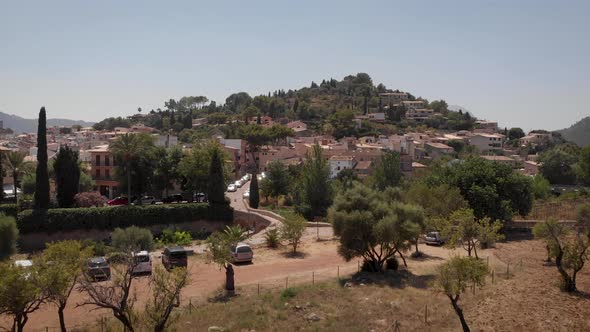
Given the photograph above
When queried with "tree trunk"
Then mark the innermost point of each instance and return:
(21, 320)
(459, 313)
(126, 323)
(475, 251)
(416, 243)
(14, 180)
(229, 279)
(128, 185)
(62, 321)
(403, 259)
(568, 284)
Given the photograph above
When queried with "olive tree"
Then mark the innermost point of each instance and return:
(166, 288)
(60, 267)
(370, 227)
(116, 295)
(569, 247)
(455, 275)
(220, 244)
(20, 294)
(462, 227)
(292, 230)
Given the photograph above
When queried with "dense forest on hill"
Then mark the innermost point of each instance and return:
(578, 133)
(328, 107)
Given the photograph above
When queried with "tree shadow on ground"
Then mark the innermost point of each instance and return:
(222, 297)
(425, 257)
(291, 254)
(396, 279)
(582, 295)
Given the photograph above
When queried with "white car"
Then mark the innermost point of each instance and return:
(242, 253)
(145, 200)
(246, 194)
(239, 183)
(231, 188)
(143, 263)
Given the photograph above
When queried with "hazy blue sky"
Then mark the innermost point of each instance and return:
(523, 63)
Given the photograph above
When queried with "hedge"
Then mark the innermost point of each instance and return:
(54, 220)
(9, 209)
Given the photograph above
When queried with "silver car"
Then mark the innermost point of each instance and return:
(434, 238)
(241, 253)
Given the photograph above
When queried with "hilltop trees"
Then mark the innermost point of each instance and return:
(41, 199)
(67, 176)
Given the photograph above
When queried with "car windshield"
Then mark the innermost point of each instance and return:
(432, 234)
(142, 258)
(244, 249)
(97, 264)
(178, 254)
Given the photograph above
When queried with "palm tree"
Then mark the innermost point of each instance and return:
(15, 160)
(125, 149)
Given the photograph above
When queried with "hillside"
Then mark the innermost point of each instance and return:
(21, 125)
(578, 133)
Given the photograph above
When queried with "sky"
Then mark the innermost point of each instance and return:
(522, 63)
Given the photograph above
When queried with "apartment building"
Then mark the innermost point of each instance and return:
(487, 142)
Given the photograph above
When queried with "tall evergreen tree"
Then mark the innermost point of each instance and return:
(41, 198)
(315, 194)
(216, 185)
(254, 198)
(67, 176)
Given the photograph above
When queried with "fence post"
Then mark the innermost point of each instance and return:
(338, 272)
(258, 289)
(492, 277)
(488, 261)
(190, 306)
(287, 283)
(426, 313)
(312, 277)
(508, 271)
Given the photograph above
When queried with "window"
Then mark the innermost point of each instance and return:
(107, 161)
(98, 173)
(97, 160)
(107, 173)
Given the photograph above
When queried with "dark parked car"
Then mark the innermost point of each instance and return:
(99, 269)
(174, 257)
(176, 198)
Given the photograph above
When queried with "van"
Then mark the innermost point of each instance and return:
(434, 238)
(142, 263)
(174, 257)
(241, 253)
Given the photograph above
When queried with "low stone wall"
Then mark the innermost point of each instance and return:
(36, 241)
(250, 221)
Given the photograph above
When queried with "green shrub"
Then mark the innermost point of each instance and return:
(170, 236)
(272, 238)
(288, 293)
(8, 236)
(392, 264)
(132, 239)
(55, 220)
(9, 210)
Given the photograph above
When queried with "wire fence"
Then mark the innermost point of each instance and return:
(500, 270)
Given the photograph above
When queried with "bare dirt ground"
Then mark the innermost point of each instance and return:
(529, 300)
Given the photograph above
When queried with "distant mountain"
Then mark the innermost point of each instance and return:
(579, 133)
(21, 125)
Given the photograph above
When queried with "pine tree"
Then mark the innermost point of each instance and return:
(41, 198)
(254, 199)
(216, 185)
(67, 176)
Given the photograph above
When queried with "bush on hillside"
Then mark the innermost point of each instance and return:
(55, 220)
(90, 199)
(8, 236)
(9, 209)
(132, 239)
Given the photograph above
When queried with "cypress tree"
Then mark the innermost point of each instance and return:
(216, 185)
(41, 198)
(254, 199)
(67, 176)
